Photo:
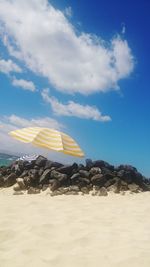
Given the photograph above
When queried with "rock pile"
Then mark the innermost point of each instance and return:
(97, 177)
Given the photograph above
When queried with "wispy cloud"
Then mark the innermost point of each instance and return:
(68, 11)
(8, 66)
(24, 84)
(51, 47)
(73, 109)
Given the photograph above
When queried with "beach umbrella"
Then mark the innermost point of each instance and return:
(28, 158)
(48, 138)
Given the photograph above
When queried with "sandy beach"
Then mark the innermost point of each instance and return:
(42, 231)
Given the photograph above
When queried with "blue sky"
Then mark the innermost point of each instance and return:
(81, 67)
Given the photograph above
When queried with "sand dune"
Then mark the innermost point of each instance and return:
(64, 231)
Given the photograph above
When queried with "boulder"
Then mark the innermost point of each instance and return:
(45, 176)
(20, 182)
(58, 176)
(54, 184)
(98, 179)
(95, 170)
(10, 180)
(84, 173)
(66, 169)
(41, 161)
(134, 188)
(89, 164)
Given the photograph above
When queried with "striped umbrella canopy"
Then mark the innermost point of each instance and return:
(28, 158)
(48, 138)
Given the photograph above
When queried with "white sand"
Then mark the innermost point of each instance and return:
(74, 231)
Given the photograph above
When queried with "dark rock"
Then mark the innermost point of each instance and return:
(66, 169)
(81, 167)
(56, 165)
(75, 177)
(45, 176)
(24, 174)
(127, 168)
(10, 180)
(41, 161)
(41, 170)
(34, 174)
(89, 164)
(48, 164)
(102, 164)
(33, 190)
(95, 170)
(59, 176)
(84, 181)
(1, 180)
(54, 184)
(98, 179)
(84, 173)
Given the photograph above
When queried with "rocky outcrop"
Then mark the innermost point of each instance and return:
(97, 178)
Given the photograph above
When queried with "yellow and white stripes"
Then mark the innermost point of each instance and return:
(48, 138)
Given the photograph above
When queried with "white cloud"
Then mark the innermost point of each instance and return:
(73, 109)
(47, 42)
(7, 66)
(26, 85)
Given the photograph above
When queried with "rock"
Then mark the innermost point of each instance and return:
(84, 190)
(95, 170)
(89, 164)
(34, 174)
(67, 169)
(45, 176)
(33, 190)
(114, 188)
(41, 170)
(102, 164)
(102, 192)
(134, 188)
(1, 180)
(98, 179)
(24, 174)
(10, 180)
(56, 165)
(75, 177)
(27, 181)
(44, 187)
(54, 184)
(84, 173)
(74, 188)
(63, 190)
(83, 181)
(20, 182)
(59, 176)
(41, 161)
(16, 187)
(48, 164)
(127, 168)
